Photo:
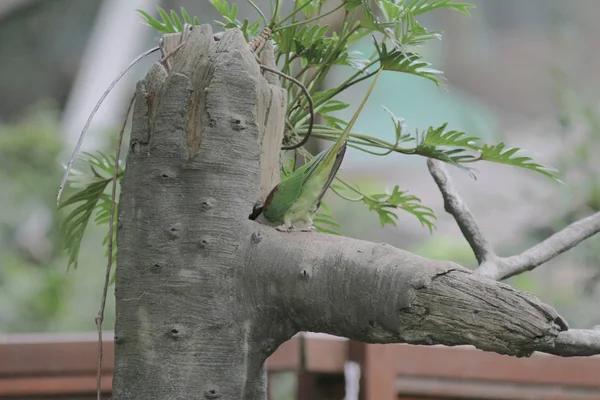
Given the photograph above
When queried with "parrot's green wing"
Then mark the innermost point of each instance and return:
(286, 193)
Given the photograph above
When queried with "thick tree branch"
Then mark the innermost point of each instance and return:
(499, 268)
(376, 293)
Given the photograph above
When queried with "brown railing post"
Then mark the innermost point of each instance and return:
(377, 370)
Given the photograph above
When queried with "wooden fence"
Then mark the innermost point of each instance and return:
(64, 367)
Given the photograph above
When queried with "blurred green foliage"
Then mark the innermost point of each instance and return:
(36, 292)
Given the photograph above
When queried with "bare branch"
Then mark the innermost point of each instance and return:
(556, 244)
(577, 342)
(454, 205)
(376, 293)
(499, 268)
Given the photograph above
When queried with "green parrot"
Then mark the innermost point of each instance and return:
(297, 197)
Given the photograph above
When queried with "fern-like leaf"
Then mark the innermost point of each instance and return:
(440, 137)
(74, 225)
(165, 25)
(499, 153)
(385, 204)
(422, 6)
(88, 201)
(311, 44)
(407, 62)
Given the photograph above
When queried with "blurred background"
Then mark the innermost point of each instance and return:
(520, 71)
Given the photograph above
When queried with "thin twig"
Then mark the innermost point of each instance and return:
(465, 219)
(89, 121)
(311, 106)
(500, 268)
(111, 221)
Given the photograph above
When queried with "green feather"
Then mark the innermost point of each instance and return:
(297, 197)
(285, 194)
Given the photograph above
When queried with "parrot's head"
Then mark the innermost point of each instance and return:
(259, 208)
(257, 211)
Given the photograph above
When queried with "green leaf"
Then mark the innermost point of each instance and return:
(350, 5)
(499, 153)
(254, 28)
(385, 204)
(334, 122)
(440, 137)
(88, 201)
(221, 6)
(168, 23)
(310, 44)
(422, 6)
(154, 23)
(353, 59)
(176, 21)
(391, 10)
(331, 106)
(309, 7)
(185, 16)
(229, 13)
(74, 225)
(447, 146)
(386, 217)
(407, 62)
(166, 20)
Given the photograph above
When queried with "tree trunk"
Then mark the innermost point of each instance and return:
(204, 295)
(191, 323)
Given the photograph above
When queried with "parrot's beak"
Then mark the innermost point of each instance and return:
(258, 207)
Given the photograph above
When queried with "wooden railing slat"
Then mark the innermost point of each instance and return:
(66, 365)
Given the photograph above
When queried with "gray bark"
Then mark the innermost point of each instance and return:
(204, 295)
(190, 324)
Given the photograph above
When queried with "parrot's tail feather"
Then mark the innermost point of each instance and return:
(339, 157)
